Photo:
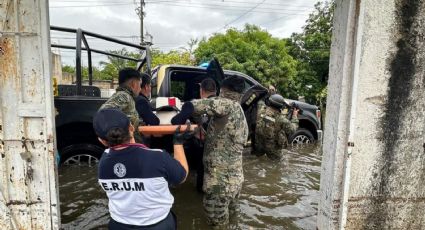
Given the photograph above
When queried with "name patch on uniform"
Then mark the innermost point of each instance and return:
(123, 186)
(268, 118)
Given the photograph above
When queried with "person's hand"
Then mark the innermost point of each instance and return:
(181, 137)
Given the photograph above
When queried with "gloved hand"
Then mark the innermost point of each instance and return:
(181, 137)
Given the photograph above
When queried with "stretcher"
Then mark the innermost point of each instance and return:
(163, 129)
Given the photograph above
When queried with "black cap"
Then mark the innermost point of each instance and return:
(127, 74)
(107, 119)
(234, 83)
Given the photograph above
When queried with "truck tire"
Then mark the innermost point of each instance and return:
(79, 154)
(301, 136)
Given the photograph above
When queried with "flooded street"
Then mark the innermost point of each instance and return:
(275, 195)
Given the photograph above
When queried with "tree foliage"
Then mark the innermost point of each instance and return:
(108, 69)
(312, 50)
(254, 52)
(172, 57)
(297, 66)
(113, 64)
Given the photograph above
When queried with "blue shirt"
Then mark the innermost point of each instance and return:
(136, 181)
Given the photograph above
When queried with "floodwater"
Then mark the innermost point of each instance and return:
(276, 195)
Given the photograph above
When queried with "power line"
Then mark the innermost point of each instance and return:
(274, 20)
(189, 2)
(234, 20)
(74, 6)
(238, 8)
(205, 6)
(193, 4)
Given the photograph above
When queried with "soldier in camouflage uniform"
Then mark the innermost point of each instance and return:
(273, 128)
(124, 98)
(226, 135)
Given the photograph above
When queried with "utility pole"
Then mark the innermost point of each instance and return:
(140, 13)
(142, 4)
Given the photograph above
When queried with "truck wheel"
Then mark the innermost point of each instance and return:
(301, 136)
(81, 154)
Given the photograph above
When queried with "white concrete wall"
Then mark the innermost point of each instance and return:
(57, 67)
(376, 103)
(28, 179)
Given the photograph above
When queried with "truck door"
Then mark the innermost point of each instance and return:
(215, 71)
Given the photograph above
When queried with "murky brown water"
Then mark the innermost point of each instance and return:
(275, 195)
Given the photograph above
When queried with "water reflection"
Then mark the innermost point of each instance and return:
(276, 195)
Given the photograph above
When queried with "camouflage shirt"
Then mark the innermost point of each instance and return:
(272, 130)
(123, 99)
(226, 135)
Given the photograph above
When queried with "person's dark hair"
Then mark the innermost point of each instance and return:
(234, 83)
(208, 85)
(146, 79)
(127, 74)
(117, 136)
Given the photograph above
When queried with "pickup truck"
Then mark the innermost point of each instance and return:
(76, 104)
(182, 82)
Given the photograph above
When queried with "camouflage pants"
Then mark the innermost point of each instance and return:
(273, 153)
(217, 207)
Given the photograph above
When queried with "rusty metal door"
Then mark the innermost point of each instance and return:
(28, 175)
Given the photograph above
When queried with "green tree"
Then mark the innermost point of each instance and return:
(111, 67)
(254, 52)
(312, 50)
(171, 57)
(68, 69)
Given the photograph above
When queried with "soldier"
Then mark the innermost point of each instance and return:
(226, 135)
(273, 128)
(124, 97)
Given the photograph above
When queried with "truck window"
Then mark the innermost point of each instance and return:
(178, 89)
(185, 84)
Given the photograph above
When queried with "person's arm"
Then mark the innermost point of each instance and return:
(177, 169)
(119, 100)
(184, 114)
(290, 126)
(181, 158)
(145, 112)
(213, 107)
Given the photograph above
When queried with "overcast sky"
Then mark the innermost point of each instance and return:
(173, 23)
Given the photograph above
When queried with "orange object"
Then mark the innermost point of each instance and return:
(163, 129)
